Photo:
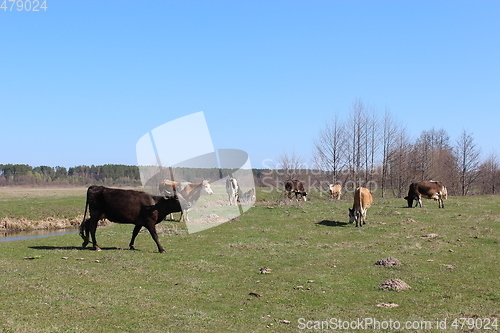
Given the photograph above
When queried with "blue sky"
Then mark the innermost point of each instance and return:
(81, 82)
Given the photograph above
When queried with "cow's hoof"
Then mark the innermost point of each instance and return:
(85, 243)
(97, 248)
(132, 248)
(163, 251)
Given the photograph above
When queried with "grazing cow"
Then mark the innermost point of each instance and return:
(232, 190)
(125, 206)
(295, 186)
(188, 193)
(362, 201)
(429, 190)
(247, 197)
(335, 191)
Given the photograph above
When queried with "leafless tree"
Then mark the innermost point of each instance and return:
(372, 147)
(399, 163)
(330, 151)
(467, 154)
(291, 164)
(489, 172)
(356, 141)
(389, 136)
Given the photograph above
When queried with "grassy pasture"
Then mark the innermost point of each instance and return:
(321, 268)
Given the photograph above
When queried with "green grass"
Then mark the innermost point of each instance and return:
(40, 203)
(202, 283)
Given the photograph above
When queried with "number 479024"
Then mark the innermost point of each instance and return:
(23, 5)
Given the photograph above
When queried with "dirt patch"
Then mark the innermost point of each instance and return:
(388, 262)
(429, 236)
(50, 223)
(394, 284)
(387, 305)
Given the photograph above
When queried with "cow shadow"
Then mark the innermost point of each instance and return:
(329, 223)
(71, 248)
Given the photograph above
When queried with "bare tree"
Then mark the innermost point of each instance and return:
(489, 172)
(389, 136)
(467, 154)
(290, 164)
(356, 142)
(330, 149)
(372, 148)
(399, 163)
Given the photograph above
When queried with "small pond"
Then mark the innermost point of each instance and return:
(13, 236)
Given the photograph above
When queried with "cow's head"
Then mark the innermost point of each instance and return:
(304, 195)
(352, 215)
(205, 187)
(410, 199)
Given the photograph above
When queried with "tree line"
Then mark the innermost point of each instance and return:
(368, 149)
(108, 174)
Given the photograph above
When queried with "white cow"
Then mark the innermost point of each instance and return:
(232, 190)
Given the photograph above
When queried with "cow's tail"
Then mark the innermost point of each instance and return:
(83, 225)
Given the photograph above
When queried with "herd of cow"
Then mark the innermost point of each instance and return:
(363, 198)
(146, 210)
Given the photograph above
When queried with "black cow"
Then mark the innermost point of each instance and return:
(427, 189)
(296, 187)
(126, 206)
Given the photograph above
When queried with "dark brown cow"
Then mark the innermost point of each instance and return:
(429, 190)
(125, 206)
(295, 186)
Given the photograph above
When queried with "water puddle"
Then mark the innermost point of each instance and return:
(10, 236)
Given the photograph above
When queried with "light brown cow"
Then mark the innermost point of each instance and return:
(362, 201)
(188, 193)
(335, 191)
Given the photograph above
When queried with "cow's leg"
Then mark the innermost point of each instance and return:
(152, 230)
(84, 232)
(92, 227)
(185, 215)
(358, 218)
(137, 228)
(363, 216)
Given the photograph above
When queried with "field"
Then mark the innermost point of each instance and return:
(321, 271)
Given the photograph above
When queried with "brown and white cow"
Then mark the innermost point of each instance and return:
(427, 189)
(335, 191)
(362, 201)
(232, 190)
(295, 186)
(188, 193)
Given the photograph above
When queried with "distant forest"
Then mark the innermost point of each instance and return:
(486, 179)
(108, 174)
